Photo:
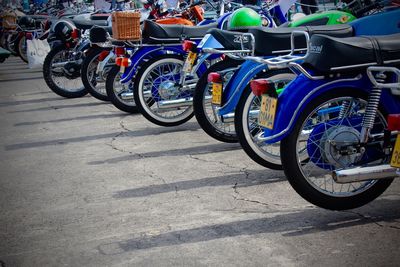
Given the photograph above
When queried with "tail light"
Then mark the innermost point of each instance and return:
(118, 61)
(394, 122)
(188, 45)
(119, 51)
(214, 77)
(261, 86)
(103, 55)
(29, 36)
(75, 34)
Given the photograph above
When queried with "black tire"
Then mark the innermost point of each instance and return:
(22, 49)
(47, 74)
(251, 149)
(296, 177)
(143, 104)
(199, 110)
(112, 76)
(89, 85)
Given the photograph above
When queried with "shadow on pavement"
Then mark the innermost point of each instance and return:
(61, 107)
(139, 133)
(196, 150)
(298, 223)
(226, 180)
(31, 101)
(89, 117)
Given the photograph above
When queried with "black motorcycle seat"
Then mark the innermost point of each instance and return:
(160, 33)
(274, 41)
(277, 40)
(331, 54)
(83, 24)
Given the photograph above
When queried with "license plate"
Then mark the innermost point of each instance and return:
(266, 116)
(191, 58)
(395, 162)
(216, 94)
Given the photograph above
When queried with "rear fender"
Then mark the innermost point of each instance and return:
(237, 84)
(146, 52)
(298, 94)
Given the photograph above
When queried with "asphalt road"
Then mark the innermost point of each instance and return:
(83, 184)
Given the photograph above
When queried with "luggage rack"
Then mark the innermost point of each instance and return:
(284, 61)
(394, 86)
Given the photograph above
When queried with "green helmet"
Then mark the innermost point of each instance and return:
(244, 17)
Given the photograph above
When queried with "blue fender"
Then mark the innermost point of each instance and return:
(237, 84)
(146, 52)
(300, 92)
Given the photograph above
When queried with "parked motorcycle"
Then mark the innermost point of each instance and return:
(336, 142)
(93, 74)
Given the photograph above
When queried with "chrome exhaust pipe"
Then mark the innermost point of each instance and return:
(176, 103)
(127, 96)
(364, 173)
(230, 117)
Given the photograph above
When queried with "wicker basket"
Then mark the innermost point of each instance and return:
(126, 25)
(9, 20)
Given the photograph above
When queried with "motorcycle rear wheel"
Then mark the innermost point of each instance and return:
(312, 179)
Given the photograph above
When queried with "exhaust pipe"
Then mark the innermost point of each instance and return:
(230, 117)
(177, 103)
(364, 173)
(127, 96)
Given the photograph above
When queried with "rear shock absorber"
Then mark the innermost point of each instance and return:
(371, 110)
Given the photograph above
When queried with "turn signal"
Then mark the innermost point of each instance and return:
(188, 45)
(261, 86)
(126, 62)
(119, 51)
(214, 77)
(103, 55)
(118, 61)
(394, 122)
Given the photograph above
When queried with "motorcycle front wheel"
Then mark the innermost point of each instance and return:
(62, 75)
(329, 126)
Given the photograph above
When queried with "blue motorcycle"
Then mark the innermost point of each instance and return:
(332, 120)
(163, 86)
(237, 94)
(217, 120)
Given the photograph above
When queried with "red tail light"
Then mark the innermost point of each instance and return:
(75, 34)
(188, 45)
(394, 122)
(29, 36)
(214, 77)
(103, 55)
(119, 51)
(261, 86)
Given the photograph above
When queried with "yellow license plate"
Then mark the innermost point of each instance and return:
(191, 58)
(216, 94)
(266, 117)
(395, 162)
